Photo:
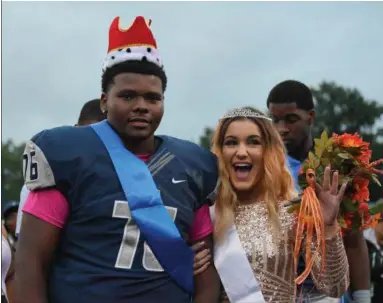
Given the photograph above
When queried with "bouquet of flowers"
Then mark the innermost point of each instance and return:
(350, 155)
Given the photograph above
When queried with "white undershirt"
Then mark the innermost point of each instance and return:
(23, 198)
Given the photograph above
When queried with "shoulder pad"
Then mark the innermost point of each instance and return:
(44, 148)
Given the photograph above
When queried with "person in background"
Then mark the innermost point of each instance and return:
(90, 113)
(7, 268)
(374, 239)
(10, 218)
(291, 107)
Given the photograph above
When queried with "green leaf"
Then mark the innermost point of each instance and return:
(303, 184)
(324, 137)
(321, 144)
(356, 222)
(325, 161)
(344, 156)
(348, 205)
(337, 161)
(336, 150)
(329, 144)
(377, 208)
(375, 179)
(355, 151)
(311, 157)
(347, 179)
(318, 150)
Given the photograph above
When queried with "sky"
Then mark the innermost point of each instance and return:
(217, 55)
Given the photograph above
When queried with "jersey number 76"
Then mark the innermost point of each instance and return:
(30, 166)
(131, 238)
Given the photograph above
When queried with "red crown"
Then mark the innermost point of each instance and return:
(137, 34)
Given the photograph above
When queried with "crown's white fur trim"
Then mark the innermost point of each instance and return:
(132, 53)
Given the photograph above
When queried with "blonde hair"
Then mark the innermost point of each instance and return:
(276, 183)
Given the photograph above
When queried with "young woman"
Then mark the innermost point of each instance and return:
(253, 232)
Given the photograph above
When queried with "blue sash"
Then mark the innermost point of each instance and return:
(148, 210)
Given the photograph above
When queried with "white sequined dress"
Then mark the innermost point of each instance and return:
(273, 264)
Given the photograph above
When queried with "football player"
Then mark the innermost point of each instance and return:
(113, 209)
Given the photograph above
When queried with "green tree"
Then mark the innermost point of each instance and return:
(11, 170)
(340, 109)
(205, 139)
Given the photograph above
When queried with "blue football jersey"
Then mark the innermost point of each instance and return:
(101, 255)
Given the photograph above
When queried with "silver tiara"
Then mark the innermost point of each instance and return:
(244, 112)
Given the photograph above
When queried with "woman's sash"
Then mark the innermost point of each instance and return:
(234, 268)
(148, 210)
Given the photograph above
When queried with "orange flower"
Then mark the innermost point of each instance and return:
(365, 157)
(375, 220)
(362, 194)
(348, 140)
